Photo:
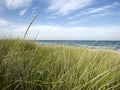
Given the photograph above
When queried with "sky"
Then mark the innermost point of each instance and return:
(61, 19)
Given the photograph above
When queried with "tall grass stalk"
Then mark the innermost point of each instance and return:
(34, 18)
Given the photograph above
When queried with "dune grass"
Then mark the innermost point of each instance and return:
(25, 65)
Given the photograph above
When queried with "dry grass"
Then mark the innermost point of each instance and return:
(25, 65)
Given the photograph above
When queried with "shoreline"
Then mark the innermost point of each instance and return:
(84, 46)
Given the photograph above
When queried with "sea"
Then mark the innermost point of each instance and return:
(94, 44)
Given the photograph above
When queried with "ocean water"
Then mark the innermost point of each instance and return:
(115, 45)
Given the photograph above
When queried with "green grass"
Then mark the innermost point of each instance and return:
(26, 65)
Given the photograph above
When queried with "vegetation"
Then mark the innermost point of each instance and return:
(25, 65)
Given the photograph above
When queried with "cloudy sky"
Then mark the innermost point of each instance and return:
(61, 19)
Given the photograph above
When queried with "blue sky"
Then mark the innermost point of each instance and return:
(61, 19)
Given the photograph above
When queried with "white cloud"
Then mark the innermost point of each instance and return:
(104, 8)
(4, 23)
(101, 11)
(23, 12)
(5, 26)
(35, 10)
(73, 22)
(14, 4)
(100, 14)
(66, 33)
(52, 17)
(64, 7)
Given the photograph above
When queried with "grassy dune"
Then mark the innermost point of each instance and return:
(26, 65)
